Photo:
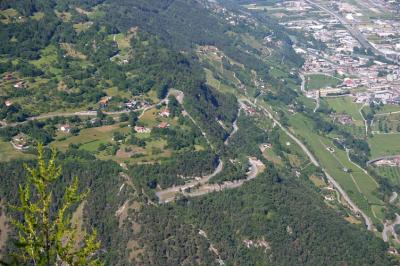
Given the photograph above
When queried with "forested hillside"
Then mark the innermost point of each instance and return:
(142, 96)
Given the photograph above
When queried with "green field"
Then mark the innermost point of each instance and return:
(318, 81)
(90, 138)
(345, 105)
(48, 60)
(392, 173)
(384, 144)
(216, 83)
(83, 26)
(9, 153)
(38, 16)
(359, 186)
(387, 108)
(387, 123)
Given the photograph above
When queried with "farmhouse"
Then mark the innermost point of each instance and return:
(20, 142)
(329, 197)
(163, 125)
(248, 109)
(65, 128)
(19, 85)
(131, 104)
(264, 146)
(141, 129)
(165, 113)
(343, 119)
(104, 101)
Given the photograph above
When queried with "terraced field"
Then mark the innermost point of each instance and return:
(392, 173)
(358, 185)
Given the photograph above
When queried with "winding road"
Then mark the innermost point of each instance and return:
(201, 187)
(393, 197)
(235, 129)
(314, 161)
(168, 194)
(389, 228)
(83, 113)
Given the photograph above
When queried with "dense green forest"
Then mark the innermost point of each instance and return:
(297, 227)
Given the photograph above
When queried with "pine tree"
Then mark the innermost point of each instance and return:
(47, 237)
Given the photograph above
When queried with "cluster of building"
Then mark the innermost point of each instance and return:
(233, 18)
(390, 161)
(343, 58)
(383, 33)
(165, 113)
(248, 109)
(135, 104)
(343, 119)
(132, 104)
(16, 82)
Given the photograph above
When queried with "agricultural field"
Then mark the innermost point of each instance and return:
(391, 173)
(90, 138)
(271, 156)
(345, 105)
(83, 26)
(9, 153)
(218, 85)
(319, 81)
(387, 123)
(384, 144)
(388, 108)
(48, 60)
(71, 51)
(38, 16)
(99, 141)
(8, 15)
(358, 185)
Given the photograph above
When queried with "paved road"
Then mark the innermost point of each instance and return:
(168, 194)
(365, 121)
(393, 197)
(303, 82)
(202, 187)
(303, 89)
(389, 228)
(83, 113)
(235, 128)
(208, 188)
(390, 113)
(314, 161)
(317, 105)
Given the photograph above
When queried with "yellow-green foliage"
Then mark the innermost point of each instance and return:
(44, 239)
